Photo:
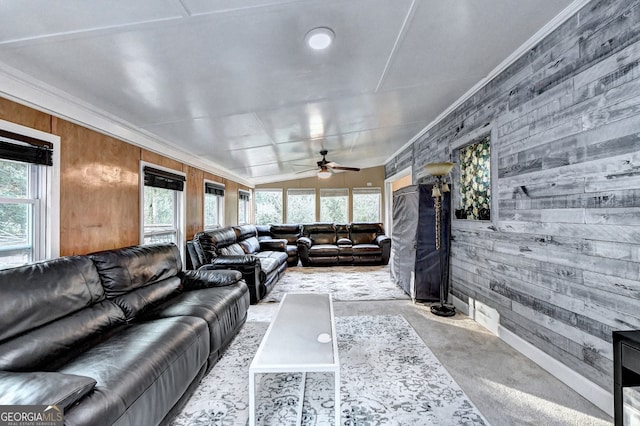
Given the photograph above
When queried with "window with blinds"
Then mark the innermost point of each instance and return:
(25, 173)
(162, 201)
(213, 205)
(334, 205)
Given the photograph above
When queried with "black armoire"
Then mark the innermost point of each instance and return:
(415, 265)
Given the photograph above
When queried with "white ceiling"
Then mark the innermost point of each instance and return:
(230, 84)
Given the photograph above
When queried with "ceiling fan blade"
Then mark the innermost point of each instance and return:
(350, 169)
(306, 171)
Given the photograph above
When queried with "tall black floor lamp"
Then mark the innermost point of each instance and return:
(439, 171)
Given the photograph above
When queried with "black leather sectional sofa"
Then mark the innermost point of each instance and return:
(261, 263)
(262, 253)
(120, 337)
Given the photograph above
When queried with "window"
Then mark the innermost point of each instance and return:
(243, 207)
(474, 188)
(268, 206)
(28, 196)
(301, 205)
(162, 200)
(213, 205)
(334, 205)
(366, 204)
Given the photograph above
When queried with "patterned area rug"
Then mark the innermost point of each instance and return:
(343, 282)
(388, 377)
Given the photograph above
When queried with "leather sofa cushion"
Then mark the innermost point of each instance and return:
(230, 250)
(365, 233)
(270, 261)
(320, 233)
(342, 231)
(43, 388)
(250, 245)
(138, 301)
(224, 309)
(245, 231)
(207, 243)
(51, 345)
(366, 249)
(323, 250)
(141, 371)
(129, 268)
(289, 232)
(64, 285)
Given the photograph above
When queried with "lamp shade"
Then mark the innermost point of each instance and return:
(324, 173)
(439, 169)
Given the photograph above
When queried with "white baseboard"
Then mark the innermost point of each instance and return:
(489, 318)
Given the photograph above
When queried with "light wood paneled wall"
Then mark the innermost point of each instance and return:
(100, 184)
(560, 261)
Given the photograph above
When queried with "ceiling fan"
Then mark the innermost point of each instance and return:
(326, 168)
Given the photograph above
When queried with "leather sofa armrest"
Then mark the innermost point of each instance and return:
(239, 260)
(207, 278)
(304, 241)
(43, 388)
(274, 244)
(382, 239)
(385, 244)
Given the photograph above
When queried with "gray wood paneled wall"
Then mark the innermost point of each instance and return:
(560, 260)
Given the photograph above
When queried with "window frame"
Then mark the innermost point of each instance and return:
(247, 206)
(44, 193)
(179, 212)
(220, 212)
(362, 191)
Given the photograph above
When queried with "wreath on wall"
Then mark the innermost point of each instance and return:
(475, 181)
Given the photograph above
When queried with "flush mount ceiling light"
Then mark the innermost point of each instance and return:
(319, 38)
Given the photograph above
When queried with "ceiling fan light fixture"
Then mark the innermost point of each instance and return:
(319, 38)
(324, 173)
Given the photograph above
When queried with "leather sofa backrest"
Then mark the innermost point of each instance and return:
(320, 233)
(50, 310)
(342, 230)
(245, 231)
(365, 233)
(264, 232)
(207, 243)
(247, 236)
(36, 294)
(136, 278)
(289, 232)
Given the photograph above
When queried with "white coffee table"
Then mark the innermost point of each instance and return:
(301, 338)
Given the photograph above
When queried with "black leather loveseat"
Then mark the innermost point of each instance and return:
(120, 337)
(326, 244)
(261, 263)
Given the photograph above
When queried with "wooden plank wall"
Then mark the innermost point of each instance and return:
(560, 261)
(100, 187)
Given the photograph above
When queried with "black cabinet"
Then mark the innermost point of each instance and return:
(626, 367)
(415, 265)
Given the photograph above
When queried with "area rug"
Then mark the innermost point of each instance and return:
(343, 282)
(388, 377)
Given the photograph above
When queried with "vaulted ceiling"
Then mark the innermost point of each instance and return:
(230, 85)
